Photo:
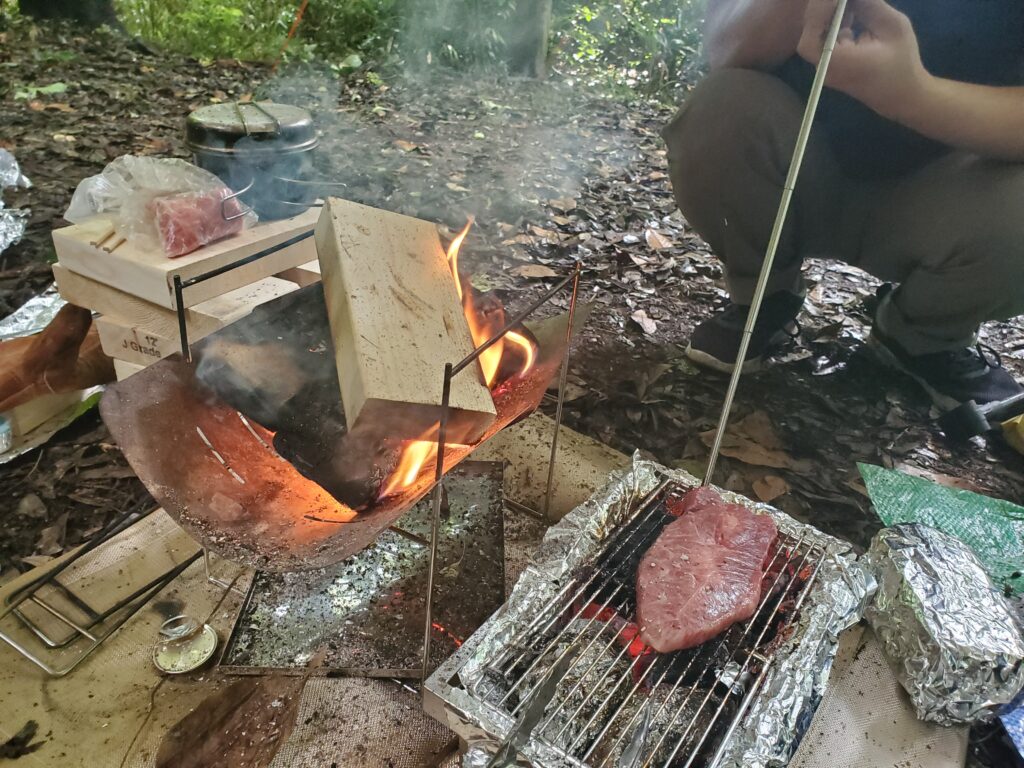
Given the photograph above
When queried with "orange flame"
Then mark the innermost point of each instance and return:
(490, 358)
(416, 453)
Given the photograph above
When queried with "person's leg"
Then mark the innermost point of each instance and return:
(729, 150)
(952, 237)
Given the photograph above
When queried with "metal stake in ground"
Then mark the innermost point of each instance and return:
(773, 242)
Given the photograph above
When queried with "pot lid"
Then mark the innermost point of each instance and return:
(250, 126)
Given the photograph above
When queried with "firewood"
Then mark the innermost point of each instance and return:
(396, 319)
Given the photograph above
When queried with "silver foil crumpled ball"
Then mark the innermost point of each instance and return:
(952, 638)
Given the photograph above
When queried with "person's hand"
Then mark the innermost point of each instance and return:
(876, 59)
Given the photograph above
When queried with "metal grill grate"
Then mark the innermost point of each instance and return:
(619, 703)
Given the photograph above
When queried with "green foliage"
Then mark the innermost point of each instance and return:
(31, 91)
(637, 45)
(456, 32)
(336, 29)
(645, 45)
(210, 29)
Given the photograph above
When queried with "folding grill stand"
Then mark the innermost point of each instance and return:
(450, 371)
(571, 283)
(92, 631)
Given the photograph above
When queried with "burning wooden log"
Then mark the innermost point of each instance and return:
(396, 319)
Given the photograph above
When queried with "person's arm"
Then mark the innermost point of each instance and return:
(978, 118)
(756, 34)
(880, 65)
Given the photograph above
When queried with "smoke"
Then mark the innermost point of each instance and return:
(439, 143)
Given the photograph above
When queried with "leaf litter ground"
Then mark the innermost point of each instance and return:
(552, 174)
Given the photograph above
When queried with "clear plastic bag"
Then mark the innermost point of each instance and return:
(163, 200)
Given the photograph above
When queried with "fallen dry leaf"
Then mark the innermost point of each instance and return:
(758, 426)
(518, 240)
(563, 204)
(534, 271)
(51, 538)
(753, 440)
(770, 487)
(405, 146)
(938, 477)
(640, 318)
(547, 234)
(657, 241)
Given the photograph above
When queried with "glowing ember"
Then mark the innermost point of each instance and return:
(417, 453)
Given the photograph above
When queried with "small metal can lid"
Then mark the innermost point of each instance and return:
(184, 645)
(242, 127)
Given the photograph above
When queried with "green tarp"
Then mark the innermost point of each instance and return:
(993, 528)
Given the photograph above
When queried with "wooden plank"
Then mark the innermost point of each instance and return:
(396, 320)
(302, 275)
(146, 273)
(138, 343)
(124, 369)
(202, 319)
(27, 416)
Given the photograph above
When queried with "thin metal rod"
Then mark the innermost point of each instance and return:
(522, 509)
(472, 356)
(562, 375)
(179, 305)
(248, 259)
(409, 535)
(435, 519)
(773, 242)
(180, 285)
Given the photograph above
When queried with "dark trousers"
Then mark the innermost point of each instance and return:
(951, 234)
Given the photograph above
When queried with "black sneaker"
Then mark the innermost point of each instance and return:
(950, 378)
(715, 343)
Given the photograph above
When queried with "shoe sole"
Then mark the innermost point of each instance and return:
(885, 356)
(710, 361)
(750, 366)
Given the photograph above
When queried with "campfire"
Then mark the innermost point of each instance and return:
(248, 446)
(511, 356)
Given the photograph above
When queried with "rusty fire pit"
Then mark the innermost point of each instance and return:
(246, 446)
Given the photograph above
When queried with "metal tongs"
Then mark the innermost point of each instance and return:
(780, 219)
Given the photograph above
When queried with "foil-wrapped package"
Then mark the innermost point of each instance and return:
(12, 220)
(950, 635)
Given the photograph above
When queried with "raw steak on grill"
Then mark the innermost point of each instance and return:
(703, 573)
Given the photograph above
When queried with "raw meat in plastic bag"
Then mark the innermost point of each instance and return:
(129, 187)
(190, 220)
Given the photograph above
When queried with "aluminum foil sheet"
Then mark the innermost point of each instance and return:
(12, 220)
(769, 735)
(951, 636)
(32, 316)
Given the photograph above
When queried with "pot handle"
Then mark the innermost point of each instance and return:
(245, 210)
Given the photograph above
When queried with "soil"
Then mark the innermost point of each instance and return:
(553, 174)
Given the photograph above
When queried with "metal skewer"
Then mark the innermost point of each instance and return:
(773, 242)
